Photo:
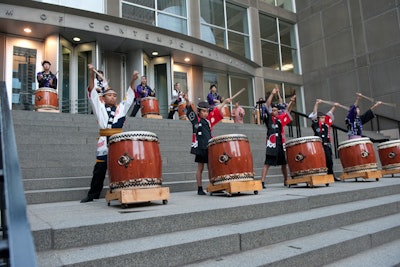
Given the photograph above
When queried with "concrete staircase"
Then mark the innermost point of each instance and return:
(57, 152)
(346, 223)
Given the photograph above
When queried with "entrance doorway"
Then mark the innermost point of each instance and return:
(75, 76)
(23, 61)
(162, 83)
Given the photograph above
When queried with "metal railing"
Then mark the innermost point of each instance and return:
(16, 244)
(298, 115)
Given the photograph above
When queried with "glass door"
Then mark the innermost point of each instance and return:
(23, 61)
(23, 78)
(162, 83)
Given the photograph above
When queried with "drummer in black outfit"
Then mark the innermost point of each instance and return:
(321, 124)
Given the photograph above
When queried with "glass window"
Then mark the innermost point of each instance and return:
(268, 29)
(270, 55)
(237, 18)
(24, 78)
(172, 23)
(139, 14)
(92, 5)
(239, 44)
(285, 4)
(176, 7)
(278, 53)
(212, 12)
(147, 3)
(232, 34)
(170, 14)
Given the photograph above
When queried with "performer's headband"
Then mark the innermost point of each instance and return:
(109, 91)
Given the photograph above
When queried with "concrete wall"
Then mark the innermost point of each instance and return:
(350, 46)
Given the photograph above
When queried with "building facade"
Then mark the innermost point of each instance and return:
(311, 48)
(231, 43)
(350, 46)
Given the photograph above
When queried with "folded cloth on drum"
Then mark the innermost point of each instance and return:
(110, 131)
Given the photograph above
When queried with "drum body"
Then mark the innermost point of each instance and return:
(46, 98)
(357, 155)
(389, 154)
(306, 156)
(226, 113)
(182, 111)
(149, 105)
(134, 160)
(229, 159)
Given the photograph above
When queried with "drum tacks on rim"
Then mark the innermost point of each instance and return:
(357, 155)
(134, 160)
(230, 159)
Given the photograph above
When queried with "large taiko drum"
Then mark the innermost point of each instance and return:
(226, 113)
(357, 155)
(229, 159)
(182, 110)
(134, 160)
(305, 156)
(389, 154)
(46, 99)
(149, 105)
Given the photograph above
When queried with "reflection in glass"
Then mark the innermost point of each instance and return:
(24, 78)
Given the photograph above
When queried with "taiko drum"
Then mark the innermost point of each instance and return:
(46, 99)
(229, 159)
(182, 111)
(389, 154)
(134, 160)
(306, 156)
(149, 105)
(357, 155)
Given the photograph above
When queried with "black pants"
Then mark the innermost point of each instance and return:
(328, 158)
(99, 174)
(173, 110)
(135, 110)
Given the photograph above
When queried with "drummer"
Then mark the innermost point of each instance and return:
(176, 99)
(110, 118)
(275, 123)
(142, 91)
(321, 124)
(355, 121)
(213, 98)
(46, 78)
(202, 123)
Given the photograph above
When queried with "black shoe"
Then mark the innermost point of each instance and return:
(263, 185)
(201, 193)
(87, 199)
(336, 179)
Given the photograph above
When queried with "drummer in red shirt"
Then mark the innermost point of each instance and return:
(321, 124)
(275, 123)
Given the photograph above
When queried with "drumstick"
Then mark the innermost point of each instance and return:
(389, 104)
(333, 103)
(98, 73)
(238, 93)
(366, 97)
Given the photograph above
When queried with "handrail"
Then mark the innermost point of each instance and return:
(17, 243)
(335, 129)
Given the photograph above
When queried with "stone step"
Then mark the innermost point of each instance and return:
(384, 255)
(319, 249)
(230, 225)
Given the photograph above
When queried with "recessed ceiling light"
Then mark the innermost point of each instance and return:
(187, 59)
(27, 30)
(155, 53)
(76, 39)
